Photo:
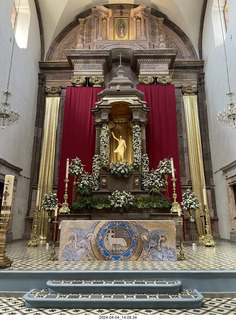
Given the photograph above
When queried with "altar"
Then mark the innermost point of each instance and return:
(117, 240)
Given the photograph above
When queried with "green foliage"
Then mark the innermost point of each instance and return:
(100, 203)
(152, 202)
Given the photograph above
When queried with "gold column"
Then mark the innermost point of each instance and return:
(195, 152)
(45, 182)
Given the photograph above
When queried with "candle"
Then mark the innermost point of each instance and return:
(7, 194)
(56, 209)
(172, 168)
(67, 167)
(204, 195)
(37, 197)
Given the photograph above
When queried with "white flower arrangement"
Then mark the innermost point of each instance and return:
(144, 167)
(104, 146)
(85, 184)
(164, 167)
(96, 167)
(190, 200)
(76, 168)
(121, 169)
(154, 182)
(49, 202)
(137, 154)
(121, 200)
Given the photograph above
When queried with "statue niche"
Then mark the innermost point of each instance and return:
(120, 119)
(121, 127)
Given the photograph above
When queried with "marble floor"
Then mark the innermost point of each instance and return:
(220, 257)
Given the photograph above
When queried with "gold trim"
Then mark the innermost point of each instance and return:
(78, 81)
(53, 89)
(189, 89)
(146, 80)
(164, 79)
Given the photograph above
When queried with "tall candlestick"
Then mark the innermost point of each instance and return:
(37, 197)
(67, 167)
(56, 209)
(204, 195)
(172, 167)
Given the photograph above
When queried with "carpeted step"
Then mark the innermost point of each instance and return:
(187, 299)
(114, 286)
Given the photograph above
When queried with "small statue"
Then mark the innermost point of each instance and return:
(121, 147)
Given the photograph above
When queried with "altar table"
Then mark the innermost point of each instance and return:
(84, 240)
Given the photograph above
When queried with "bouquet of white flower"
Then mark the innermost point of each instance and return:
(164, 167)
(49, 202)
(190, 200)
(121, 169)
(85, 184)
(76, 167)
(121, 200)
(154, 182)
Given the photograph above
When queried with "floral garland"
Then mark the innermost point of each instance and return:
(49, 202)
(96, 167)
(190, 200)
(85, 184)
(164, 167)
(154, 182)
(137, 155)
(76, 167)
(144, 167)
(104, 146)
(121, 200)
(121, 169)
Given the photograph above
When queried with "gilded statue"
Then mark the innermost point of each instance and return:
(120, 150)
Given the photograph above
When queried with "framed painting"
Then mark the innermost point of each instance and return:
(121, 28)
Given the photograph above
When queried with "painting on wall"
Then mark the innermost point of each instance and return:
(121, 29)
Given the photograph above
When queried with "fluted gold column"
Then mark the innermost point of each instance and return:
(195, 152)
(45, 182)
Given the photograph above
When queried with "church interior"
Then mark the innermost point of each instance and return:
(118, 157)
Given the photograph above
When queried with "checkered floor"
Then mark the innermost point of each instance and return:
(215, 306)
(221, 257)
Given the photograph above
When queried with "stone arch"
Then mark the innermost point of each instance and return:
(175, 38)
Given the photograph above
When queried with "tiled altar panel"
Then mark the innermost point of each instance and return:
(84, 240)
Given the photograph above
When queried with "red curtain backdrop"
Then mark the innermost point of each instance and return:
(161, 135)
(78, 137)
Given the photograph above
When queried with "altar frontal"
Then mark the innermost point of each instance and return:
(84, 240)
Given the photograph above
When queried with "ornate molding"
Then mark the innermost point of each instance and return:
(189, 89)
(53, 89)
(146, 80)
(96, 81)
(78, 81)
(164, 79)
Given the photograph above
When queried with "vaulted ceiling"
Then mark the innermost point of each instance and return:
(56, 15)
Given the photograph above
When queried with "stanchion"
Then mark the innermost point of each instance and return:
(208, 239)
(65, 206)
(4, 221)
(34, 238)
(53, 253)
